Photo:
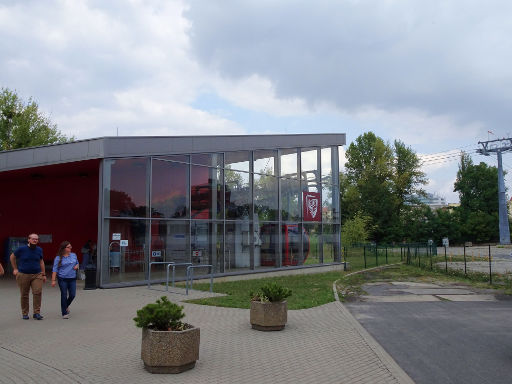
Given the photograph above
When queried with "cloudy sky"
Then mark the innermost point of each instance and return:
(434, 74)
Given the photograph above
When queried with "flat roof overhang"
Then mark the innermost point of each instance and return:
(133, 146)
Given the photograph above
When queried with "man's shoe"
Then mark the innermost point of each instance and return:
(37, 316)
(25, 317)
(66, 316)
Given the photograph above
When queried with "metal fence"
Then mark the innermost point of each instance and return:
(359, 256)
(492, 263)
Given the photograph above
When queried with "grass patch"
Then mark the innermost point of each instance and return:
(308, 290)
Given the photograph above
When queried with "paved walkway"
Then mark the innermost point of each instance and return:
(100, 343)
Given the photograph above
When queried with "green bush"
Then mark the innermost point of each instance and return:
(163, 315)
(272, 292)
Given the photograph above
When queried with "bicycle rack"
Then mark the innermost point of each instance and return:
(168, 265)
(190, 275)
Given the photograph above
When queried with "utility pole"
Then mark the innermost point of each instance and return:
(499, 146)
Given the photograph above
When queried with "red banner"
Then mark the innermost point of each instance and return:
(311, 207)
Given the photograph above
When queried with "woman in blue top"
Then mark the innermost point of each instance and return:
(64, 270)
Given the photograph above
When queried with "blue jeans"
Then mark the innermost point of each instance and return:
(67, 293)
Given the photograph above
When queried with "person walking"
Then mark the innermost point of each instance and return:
(64, 270)
(28, 267)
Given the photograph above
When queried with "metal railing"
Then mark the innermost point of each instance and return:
(168, 265)
(189, 275)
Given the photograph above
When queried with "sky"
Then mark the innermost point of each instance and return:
(434, 74)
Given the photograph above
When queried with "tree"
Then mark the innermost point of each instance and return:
(381, 181)
(23, 125)
(477, 186)
(369, 177)
(355, 230)
(407, 176)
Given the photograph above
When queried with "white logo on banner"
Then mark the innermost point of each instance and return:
(312, 205)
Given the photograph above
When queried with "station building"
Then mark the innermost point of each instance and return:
(241, 204)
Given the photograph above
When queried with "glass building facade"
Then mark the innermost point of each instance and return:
(239, 211)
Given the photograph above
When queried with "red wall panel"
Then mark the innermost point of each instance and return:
(61, 200)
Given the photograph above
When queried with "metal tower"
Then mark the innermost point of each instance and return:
(499, 146)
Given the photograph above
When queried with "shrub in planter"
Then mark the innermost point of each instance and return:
(168, 344)
(269, 311)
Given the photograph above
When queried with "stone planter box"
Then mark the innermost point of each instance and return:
(268, 316)
(170, 351)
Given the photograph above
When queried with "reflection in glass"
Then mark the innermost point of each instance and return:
(330, 185)
(290, 209)
(238, 195)
(169, 191)
(237, 160)
(291, 244)
(314, 233)
(238, 246)
(331, 244)
(206, 192)
(265, 197)
(124, 263)
(179, 158)
(208, 159)
(327, 207)
(309, 166)
(266, 246)
(206, 242)
(264, 162)
(172, 238)
(126, 181)
(288, 162)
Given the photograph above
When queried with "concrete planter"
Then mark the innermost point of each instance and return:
(268, 316)
(170, 351)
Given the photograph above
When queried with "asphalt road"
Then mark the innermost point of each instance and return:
(444, 342)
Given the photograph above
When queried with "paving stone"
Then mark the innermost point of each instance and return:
(100, 343)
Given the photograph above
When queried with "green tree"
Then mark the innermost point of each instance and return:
(23, 125)
(381, 181)
(407, 176)
(369, 171)
(477, 186)
(355, 230)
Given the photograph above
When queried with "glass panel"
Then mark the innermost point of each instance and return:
(331, 243)
(265, 197)
(288, 162)
(326, 154)
(238, 246)
(127, 263)
(206, 242)
(172, 237)
(328, 190)
(206, 192)
(125, 187)
(179, 158)
(266, 244)
(238, 195)
(290, 209)
(169, 191)
(312, 242)
(291, 244)
(327, 207)
(264, 162)
(309, 166)
(237, 160)
(208, 159)
(310, 187)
